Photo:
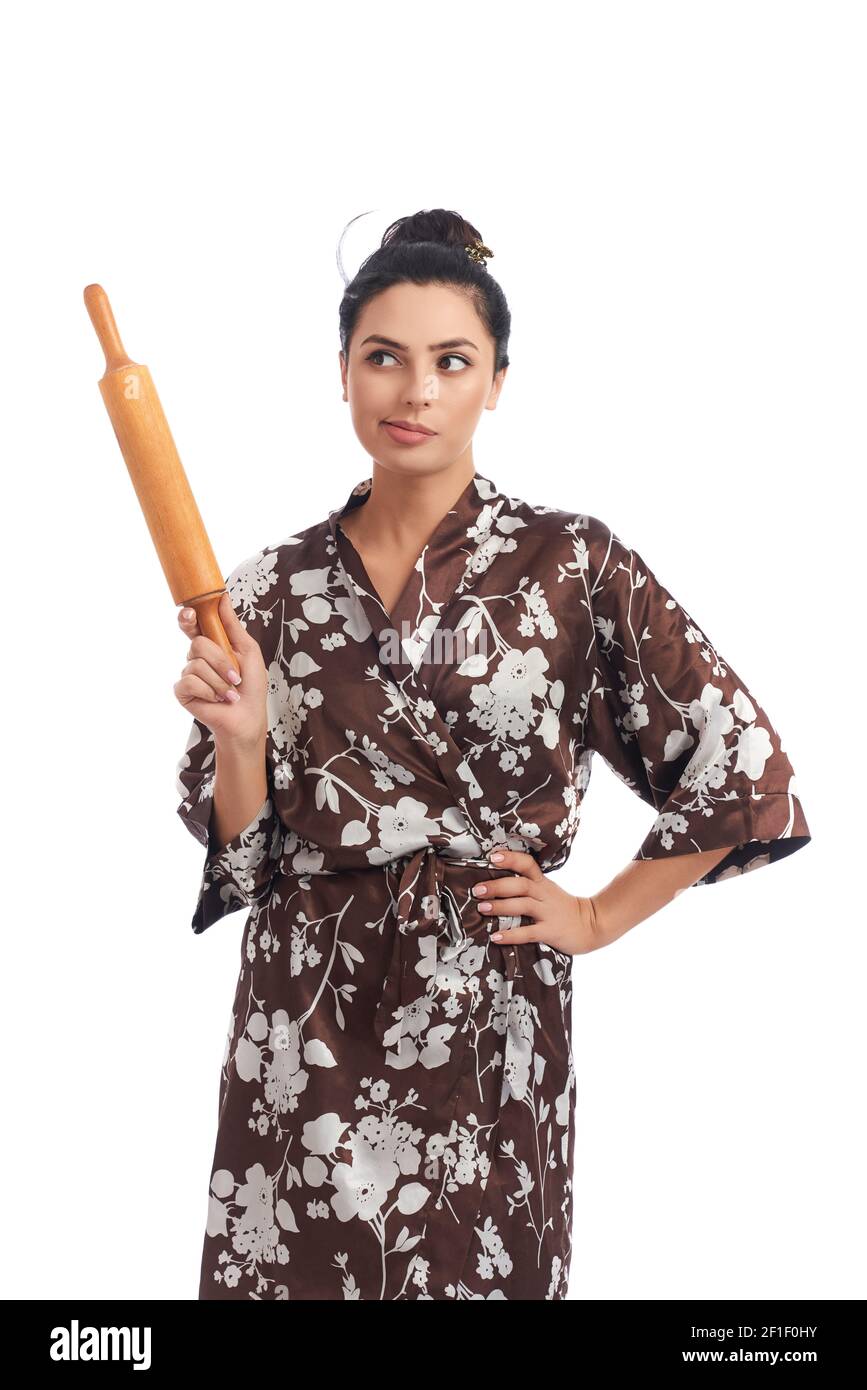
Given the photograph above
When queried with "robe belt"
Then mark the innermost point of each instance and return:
(426, 906)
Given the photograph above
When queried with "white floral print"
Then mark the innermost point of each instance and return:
(397, 1094)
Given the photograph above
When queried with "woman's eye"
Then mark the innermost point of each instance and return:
(449, 357)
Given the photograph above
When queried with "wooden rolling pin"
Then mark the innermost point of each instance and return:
(158, 476)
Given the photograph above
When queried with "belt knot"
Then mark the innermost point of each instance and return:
(426, 909)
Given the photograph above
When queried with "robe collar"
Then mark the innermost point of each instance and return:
(444, 567)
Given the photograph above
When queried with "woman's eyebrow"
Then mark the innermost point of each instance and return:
(432, 347)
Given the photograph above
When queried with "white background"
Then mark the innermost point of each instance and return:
(675, 197)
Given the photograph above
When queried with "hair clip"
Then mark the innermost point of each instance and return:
(477, 252)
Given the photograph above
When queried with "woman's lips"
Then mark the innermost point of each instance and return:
(402, 436)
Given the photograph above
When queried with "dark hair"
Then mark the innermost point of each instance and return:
(427, 249)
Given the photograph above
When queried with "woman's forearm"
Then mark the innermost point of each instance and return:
(240, 789)
(646, 885)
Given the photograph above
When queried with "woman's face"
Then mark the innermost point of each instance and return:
(419, 353)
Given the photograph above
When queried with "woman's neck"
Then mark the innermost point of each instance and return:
(401, 512)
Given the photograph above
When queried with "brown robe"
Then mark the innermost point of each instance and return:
(396, 1103)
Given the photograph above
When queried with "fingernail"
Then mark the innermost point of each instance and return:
(495, 858)
(479, 889)
(231, 696)
(497, 936)
(189, 614)
(233, 676)
(485, 907)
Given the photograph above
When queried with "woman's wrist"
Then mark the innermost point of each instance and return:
(598, 925)
(230, 746)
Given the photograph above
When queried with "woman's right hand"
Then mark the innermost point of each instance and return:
(204, 681)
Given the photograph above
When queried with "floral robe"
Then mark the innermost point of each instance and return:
(396, 1101)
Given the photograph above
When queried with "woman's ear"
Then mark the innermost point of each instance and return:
(496, 388)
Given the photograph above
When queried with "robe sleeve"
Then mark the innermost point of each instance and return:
(679, 726)
(240, 873)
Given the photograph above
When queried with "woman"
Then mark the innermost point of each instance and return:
(424, 678)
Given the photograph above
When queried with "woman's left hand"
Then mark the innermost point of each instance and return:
(561, 920)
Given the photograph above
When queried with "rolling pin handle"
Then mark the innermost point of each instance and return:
(207, 612)
(102, 319)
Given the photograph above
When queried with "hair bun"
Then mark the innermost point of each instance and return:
(434, 224)
(432, 247)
